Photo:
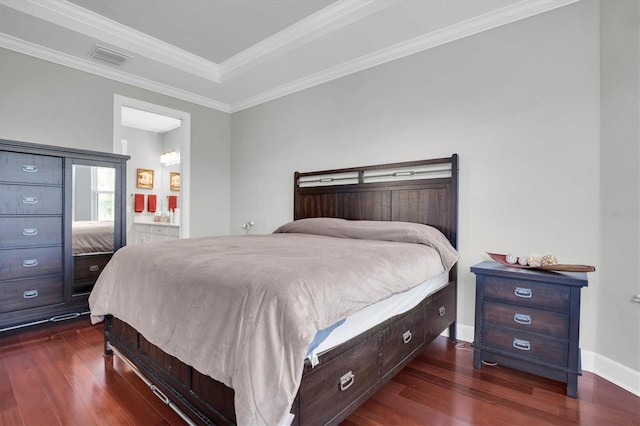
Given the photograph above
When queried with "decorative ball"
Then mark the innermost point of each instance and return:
(534, 260)
(548, 260)
(510, 259)
(522, 260)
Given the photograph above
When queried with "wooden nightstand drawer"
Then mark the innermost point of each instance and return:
(32, 262)
(24, 294)
(546, 323)
(351, 373)
(526, 344)
(29, 168)
(27, 199)
(527, 293)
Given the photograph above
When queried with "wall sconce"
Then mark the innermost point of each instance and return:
(247, 226)
(170, 158)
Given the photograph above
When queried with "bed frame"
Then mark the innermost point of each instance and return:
(420, 191)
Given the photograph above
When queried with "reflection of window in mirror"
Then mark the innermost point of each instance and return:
(103, 184)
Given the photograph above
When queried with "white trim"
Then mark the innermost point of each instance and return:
(618, 374)
(76, 18)
(332, 17)
(50, 55)
(506, 15)
(185, 154)
(329, 19)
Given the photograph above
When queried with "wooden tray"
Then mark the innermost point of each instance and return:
(501, 258)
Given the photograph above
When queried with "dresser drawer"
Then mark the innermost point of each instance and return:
(27, 199)
(527, 293)
(546, 323)
(338, 383)
(30, 262)
(441, 310)
(403, 338)
(88, 267)
(30, 231)
(31, 293)
(30, 168)
(530, 345)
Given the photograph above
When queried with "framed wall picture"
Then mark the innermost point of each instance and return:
(144, 179)
(174, 181)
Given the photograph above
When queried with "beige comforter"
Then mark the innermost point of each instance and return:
(244, 309)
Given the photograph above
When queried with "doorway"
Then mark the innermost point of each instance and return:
(124, 106)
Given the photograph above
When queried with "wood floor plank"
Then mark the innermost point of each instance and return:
(123, 393)
(9, 412)
(101, 404)
(33, 399)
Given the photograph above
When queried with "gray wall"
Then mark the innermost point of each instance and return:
(47, 103)
(619, 270)
(519, 104)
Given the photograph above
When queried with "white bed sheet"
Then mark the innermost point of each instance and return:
(381, 311)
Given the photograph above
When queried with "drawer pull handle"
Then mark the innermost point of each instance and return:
(30, 200)
(29, 169)
(30, 263)
(522, 319)
(406, 337)
(29, 232)
(347, 380)
(523, 345)
(94, 268)
(525, 293)
(441, 311)
(30, 294)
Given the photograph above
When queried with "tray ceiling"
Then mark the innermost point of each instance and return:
(235, 54)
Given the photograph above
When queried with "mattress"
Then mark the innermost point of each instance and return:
(373, 315)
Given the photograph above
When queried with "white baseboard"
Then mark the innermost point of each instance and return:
(612, 371)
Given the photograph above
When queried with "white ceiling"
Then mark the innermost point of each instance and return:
(235, 54)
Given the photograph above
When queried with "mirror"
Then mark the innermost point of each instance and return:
(93, 209)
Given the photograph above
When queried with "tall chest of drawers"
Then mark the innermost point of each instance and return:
(529, 320)
(36, 213)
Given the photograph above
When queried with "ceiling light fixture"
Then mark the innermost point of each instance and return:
(170, 158)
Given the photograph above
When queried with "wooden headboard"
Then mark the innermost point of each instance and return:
(417, 191)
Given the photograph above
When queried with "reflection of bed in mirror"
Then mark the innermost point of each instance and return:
(92, 250)
(93, 238)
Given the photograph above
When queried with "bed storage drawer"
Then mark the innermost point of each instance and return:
(441, 310)
(403, 338)
(336, 385)
(29, 168)
(30, 262)
(25, 200)
(25, 294)
(30, 231)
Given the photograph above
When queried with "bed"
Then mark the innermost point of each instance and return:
(318, 387)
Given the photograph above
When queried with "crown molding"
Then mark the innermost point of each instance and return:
(331, 18)
(512, 13)
(31, 49)
(73, 17)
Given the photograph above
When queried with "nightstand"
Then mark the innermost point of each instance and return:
(529, 320)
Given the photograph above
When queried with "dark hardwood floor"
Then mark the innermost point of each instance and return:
(57, 375)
